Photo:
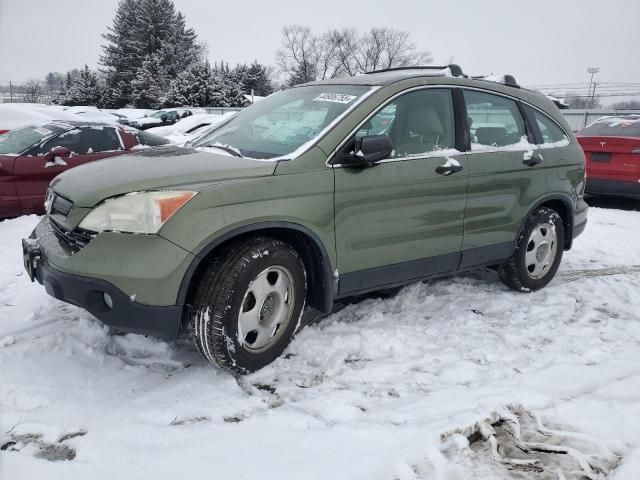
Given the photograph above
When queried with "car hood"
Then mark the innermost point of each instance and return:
(152, 169)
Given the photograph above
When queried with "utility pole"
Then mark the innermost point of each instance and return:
(10, 92)
(590, 99)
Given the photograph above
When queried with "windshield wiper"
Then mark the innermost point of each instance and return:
(227, 149)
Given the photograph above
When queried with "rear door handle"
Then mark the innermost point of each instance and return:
(448, 167)
(532, 159)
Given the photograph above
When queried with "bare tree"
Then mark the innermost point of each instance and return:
(33, 91)
(307, 56)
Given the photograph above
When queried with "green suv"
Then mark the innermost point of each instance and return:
(324, 191)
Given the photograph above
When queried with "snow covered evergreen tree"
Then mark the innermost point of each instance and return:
(258, 78)
(81, 87)
(302, 74)
(148, 31)
(195, 87)
(150, 84)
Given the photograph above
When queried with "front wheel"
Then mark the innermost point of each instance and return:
(538, 252)
(248, 303)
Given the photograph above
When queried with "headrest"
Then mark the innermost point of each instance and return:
(425, 122)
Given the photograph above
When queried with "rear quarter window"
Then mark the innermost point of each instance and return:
(550, 131)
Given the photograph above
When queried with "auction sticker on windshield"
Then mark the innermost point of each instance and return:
(334, 97)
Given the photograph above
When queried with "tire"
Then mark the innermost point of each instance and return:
(248, 303)
(538, 252)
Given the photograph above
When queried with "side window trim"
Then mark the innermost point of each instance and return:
(461, 125)
(534, 135)
(332, 160)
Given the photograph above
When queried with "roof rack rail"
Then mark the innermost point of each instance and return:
(455, 70)
(508, 80)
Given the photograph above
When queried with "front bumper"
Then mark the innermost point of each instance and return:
(103, 278)
(598, 186)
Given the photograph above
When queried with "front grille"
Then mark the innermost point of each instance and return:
(61, 205)
(72, 239)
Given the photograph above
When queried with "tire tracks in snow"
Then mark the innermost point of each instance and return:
(573, 275)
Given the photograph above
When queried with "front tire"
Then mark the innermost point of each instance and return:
(538, 252)
(247, 305)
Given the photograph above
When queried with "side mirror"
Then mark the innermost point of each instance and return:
(368, 151)
(164, 117)
(62, 152)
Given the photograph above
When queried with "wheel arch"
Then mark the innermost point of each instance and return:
(561, 204)
(320, 291)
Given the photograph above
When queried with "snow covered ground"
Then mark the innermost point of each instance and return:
(383, 389)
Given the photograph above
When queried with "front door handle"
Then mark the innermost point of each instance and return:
(532, 159)
(449, 167)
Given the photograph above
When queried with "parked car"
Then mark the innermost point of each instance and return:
(16, 115)
(299, 200)
(168, 116)
(93, 114)
(190, 127)
(31, 156)
(612, 147)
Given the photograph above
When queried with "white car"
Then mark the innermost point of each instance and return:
(190, 127)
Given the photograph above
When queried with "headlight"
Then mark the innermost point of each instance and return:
(138, 212)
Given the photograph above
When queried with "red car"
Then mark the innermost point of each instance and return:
(31, 156)
(612, 148)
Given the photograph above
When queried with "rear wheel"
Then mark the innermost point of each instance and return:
(538, 253)
(248, 303)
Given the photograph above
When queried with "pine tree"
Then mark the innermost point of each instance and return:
(120, 56)
(150, 84)
(195, 87)
(259, 79)
(146, 31)
(303, 74)
(80, 87)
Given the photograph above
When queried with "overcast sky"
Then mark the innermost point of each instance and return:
(539, 41)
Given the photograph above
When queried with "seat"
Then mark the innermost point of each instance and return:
(494, 136)
(425, 131)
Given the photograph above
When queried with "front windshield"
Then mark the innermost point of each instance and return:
(157, 114)
(281, 123)
(19, 140)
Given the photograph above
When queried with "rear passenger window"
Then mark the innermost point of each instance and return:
(418, 123)
(85, 140)
(551, 132)
(494, 121)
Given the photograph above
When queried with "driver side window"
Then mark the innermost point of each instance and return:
(418, 123)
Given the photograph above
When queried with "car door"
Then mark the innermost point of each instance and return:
(34, 172)
(506, 176)
(9, 204)
(402, 219)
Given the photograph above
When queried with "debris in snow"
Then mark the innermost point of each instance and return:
(517, 439)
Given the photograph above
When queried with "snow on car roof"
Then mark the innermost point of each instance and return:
(15, 115)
